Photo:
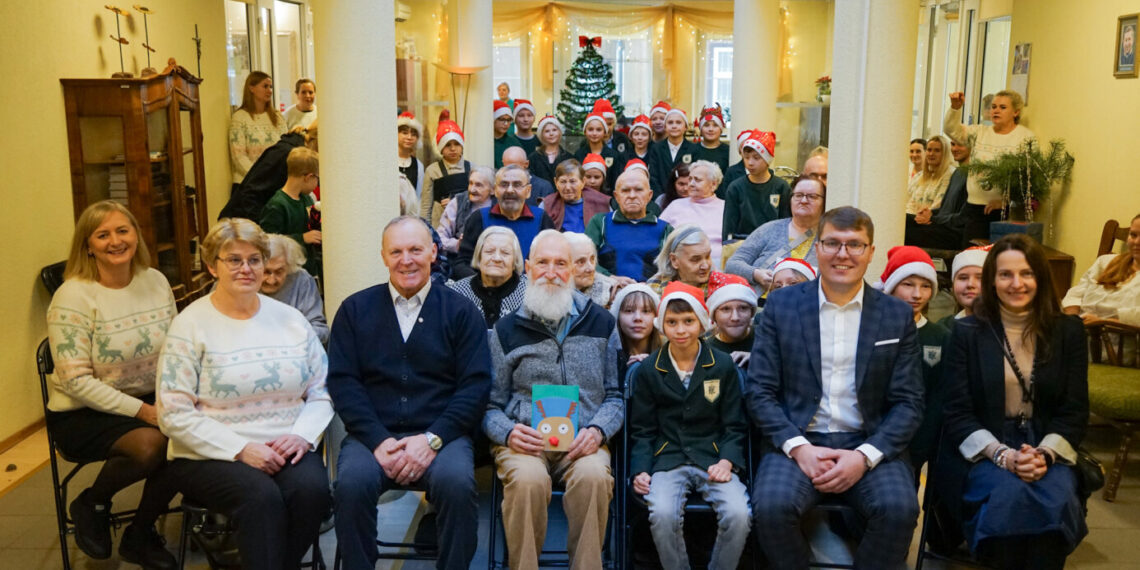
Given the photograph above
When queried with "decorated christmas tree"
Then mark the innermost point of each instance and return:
(590, 79)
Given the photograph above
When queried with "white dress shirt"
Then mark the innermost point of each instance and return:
(408, 310)
(838, 342)
(674, 149)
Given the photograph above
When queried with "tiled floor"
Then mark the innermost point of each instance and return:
(28, 539)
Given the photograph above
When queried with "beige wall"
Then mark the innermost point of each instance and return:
(1073, 95)
(42, 42)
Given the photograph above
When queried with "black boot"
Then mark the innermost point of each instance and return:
(145, 547)
(92, 526)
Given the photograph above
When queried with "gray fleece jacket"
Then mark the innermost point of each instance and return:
(524, 352)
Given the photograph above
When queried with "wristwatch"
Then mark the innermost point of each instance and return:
(434, 441)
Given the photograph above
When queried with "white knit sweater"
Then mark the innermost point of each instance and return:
(226, 382)
(105, 342)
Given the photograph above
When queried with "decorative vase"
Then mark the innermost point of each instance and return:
(825, 98)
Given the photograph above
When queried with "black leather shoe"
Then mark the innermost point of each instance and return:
(92, 526)
(145, 547)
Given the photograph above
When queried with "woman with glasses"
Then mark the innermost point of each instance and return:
(242, 397)
(106, 324)
(701, 205)
(1017, 408)
(794, 237)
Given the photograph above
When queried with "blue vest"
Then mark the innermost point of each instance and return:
(525, 228)
(636, 244)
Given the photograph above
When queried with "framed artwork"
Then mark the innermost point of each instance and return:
(1019, 79)
(1124, 64)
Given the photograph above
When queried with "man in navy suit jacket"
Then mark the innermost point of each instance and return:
(835, 387)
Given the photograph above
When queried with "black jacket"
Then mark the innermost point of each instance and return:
(265, 177)
(671, 426)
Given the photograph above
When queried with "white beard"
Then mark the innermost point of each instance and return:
(548, 300)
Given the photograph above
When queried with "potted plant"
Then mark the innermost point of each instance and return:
(1026, 177)
(823, 87)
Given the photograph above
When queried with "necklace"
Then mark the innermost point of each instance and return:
(1027, 386)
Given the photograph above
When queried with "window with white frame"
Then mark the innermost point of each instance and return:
(507, 66)
(718, 78)
(631, 60)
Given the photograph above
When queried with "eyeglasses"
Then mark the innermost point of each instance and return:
(831, 246)
(234, 262)
(504, 184)
(801, 197)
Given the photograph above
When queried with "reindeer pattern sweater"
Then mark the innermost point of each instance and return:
(105, 342)
(226, 382)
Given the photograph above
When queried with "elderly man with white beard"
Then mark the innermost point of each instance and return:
(558, 337)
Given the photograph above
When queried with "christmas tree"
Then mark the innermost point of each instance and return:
(590, 79)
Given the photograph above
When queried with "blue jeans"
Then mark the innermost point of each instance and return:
(668, 491)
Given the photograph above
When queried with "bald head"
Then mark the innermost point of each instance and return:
(515, 155)
(816, 167)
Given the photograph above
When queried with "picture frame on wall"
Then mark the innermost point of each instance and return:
(1124, 62)
(1019, 78)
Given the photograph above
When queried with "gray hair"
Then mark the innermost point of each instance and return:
(409, 204)
(477, 257)
(486, 172)
(288, 249)
(577, 239)
(510, 168)
(544, 235)
(690, 234)
(712, 168)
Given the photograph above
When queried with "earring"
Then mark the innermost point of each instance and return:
(90, 253)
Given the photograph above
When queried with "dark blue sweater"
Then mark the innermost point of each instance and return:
(437, 381)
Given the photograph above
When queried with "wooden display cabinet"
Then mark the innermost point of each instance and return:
(139, 141)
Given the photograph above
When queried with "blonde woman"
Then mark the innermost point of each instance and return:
(255, 126)
(106, 324)
(925, 191)
(242, 397)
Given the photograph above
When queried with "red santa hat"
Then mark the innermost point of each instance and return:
(549, 120)
(594, 160)
(798, 265)
(660, 107)
(710, 114)
(740, 138)
(725, 287)
(679, 291)
(972, 257)
(907, 261)
(448, 131)
(677, 111)
(641, 122)
(521, 104)
(615, 307)
(604, 108)
(636, 164)
(501, 109)
(407, 119)
(763, 142)
(595, 117)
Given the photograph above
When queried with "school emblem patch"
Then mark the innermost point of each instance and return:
(932, 355)
(774, 199)
(712, 390)
(621, 147)
(686, 158)
(609, 161)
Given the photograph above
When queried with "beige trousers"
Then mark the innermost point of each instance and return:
(526, 494)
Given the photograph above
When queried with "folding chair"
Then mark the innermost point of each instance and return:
(45, 366)
(208, 530)
(694, 503)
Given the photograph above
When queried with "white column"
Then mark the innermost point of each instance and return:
(356, 54)
(872, 91)
(755, 67)
(471, 45)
